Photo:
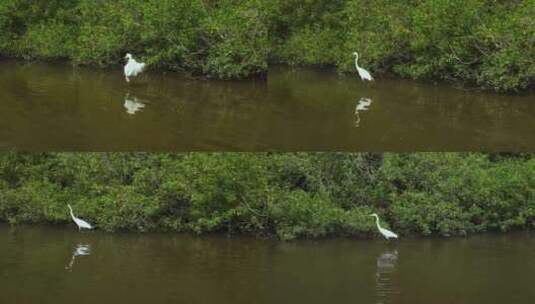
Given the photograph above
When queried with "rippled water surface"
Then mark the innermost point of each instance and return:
(62, 265)
(58, 107)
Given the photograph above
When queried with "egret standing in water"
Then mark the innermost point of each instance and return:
(364, 75)
(385, 232)
(132, 67)
(81, 223)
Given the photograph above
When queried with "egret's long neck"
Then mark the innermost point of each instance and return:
(72, 214)
(357, 59)
(377, 222)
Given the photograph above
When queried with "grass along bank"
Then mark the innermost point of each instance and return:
(288, 195)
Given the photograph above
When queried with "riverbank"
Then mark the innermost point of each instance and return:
(477, 43)
(290, 195)
(220, 39)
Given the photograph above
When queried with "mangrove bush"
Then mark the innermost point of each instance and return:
(288, 195)
(223, 39)
(486, 43)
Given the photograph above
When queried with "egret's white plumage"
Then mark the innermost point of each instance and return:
(364, 75)
(132, 105)
(385, 232)
(81, 223)
(132, 67)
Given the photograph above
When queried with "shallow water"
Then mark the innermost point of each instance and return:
(55, 107)
(61, 265)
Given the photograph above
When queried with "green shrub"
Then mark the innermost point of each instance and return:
(290, 195)
(480, 42)
(224, 39)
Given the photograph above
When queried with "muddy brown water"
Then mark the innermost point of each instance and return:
(61, 265)
(52, 107)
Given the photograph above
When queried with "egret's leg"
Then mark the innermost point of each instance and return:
(127, 79)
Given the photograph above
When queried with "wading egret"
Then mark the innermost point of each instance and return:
(385, 232)
(364, 75)
(132, 67)
(81, 223)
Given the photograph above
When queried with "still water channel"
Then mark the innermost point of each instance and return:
(47, 107)
(61, 265)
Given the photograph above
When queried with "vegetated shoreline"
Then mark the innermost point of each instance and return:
(193, 75)
(283, 195)
(263, 76)
(371, 236)
(458, 84)
(482, 44)
(220, 39)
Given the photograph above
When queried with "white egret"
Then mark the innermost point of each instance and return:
(385, 232)
(132, 67)
(81, 223)
(132, 104)
(364, 75)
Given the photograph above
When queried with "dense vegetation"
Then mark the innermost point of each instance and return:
(487, 43)
(219, 38)
(288, 195)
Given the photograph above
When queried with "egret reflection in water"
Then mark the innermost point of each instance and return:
(81, 249)
(384, 276)
(362, 105)
(132, 104)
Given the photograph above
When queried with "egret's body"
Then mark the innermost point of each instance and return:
(385, 232)
(132, 105)
(132, 67)
(364, 75)
(81, 223)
